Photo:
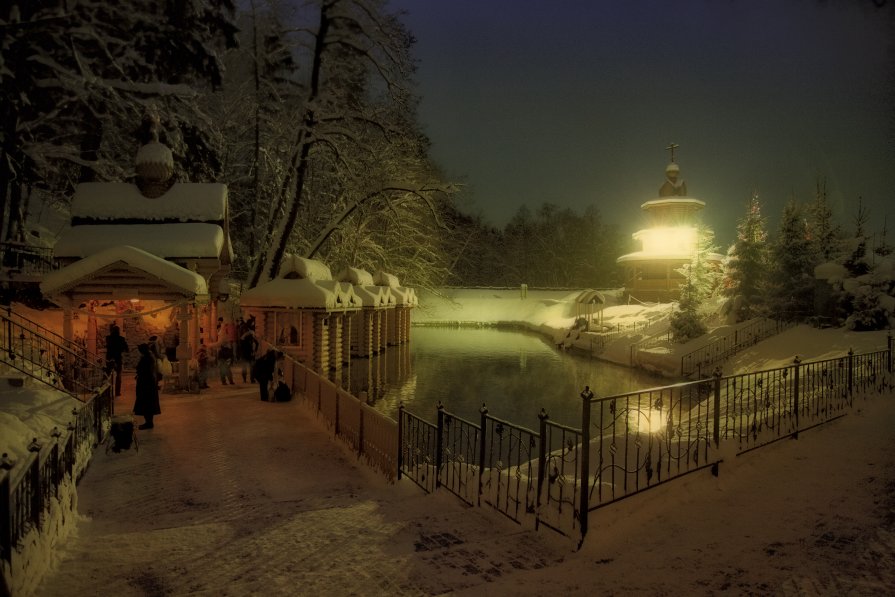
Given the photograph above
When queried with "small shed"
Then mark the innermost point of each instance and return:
(304, 312)
(144, 248)
(368, 329)
(398, 320)
(589, 305)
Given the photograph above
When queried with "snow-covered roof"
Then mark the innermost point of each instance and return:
(404, 296)
(155, 153)
(356, 276)
(646, 256)
(680, 201)
(184, 202)
(370, 294)
(312, 269)
(163, 240)
(385, 279)
(59, 281)
(590, 296)
(301, 293)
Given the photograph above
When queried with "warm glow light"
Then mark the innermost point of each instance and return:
(646, 421)
(668, 241)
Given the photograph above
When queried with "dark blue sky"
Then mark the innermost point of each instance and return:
(573, 102)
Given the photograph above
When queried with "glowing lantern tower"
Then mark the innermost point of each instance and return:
(668, 242)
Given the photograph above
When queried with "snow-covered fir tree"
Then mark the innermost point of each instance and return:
(864, 282)
(745, 267)
(702, 280)
(793, 259)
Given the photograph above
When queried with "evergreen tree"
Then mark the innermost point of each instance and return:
(824, 232)
(702, 278)
(746, 264)
(791, 276)
(857, 259)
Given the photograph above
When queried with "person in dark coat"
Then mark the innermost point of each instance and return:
(147, 402)
(248, 344)
(116, 346)
(263, 372)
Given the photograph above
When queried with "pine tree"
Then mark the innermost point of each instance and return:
(793, 259)
(702, 278)
(746, 264)
(824, 232)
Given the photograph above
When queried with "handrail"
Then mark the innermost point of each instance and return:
(76, 372)
(718, 349)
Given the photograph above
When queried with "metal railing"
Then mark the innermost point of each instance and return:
(27, 488)
(701, 360)
(630, 442)
(47, 357)
(27, 259)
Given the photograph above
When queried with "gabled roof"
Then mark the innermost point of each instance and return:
(301, 293)
(370, 294)
(124, 272)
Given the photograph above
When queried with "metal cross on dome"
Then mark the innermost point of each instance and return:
(671, 148)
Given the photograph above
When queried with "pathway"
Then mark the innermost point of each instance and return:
(229, 495)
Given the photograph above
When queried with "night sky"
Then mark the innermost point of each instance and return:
(574, 102)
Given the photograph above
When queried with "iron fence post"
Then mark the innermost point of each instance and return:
(483, 420)
(716, 418)
(851, 370)
(584, 482)
(360, 429)
(889, 346)
(542, 462)
(37, 485)
(5, 518)
(795, 393)
(439, 444)
(400, 438)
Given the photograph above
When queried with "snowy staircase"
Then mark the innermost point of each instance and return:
(43, 355)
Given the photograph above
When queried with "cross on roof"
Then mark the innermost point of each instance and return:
(671, 148)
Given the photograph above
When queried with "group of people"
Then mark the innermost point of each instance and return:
(238, 343)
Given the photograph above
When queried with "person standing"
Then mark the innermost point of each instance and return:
(225, 359)
(146, 403)
(248, 345)
(116, 346)
(263, 373)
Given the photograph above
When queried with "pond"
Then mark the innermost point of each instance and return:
(514, 373)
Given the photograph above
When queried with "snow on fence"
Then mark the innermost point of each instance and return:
(371, 434)
(30, 490)
(630, 442)
(700, 360)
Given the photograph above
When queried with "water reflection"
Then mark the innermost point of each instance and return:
(514, 373)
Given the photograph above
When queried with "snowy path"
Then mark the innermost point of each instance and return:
(232, 496)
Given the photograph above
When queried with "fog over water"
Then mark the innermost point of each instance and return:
(514, 373)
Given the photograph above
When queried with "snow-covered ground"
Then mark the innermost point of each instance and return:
(231, 496)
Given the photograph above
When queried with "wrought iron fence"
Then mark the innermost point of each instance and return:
(27, 259)
(43, 355)
(701, 360)
(27, 488)
(630, 442)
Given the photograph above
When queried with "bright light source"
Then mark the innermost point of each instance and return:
(668, 241)
(646, 421)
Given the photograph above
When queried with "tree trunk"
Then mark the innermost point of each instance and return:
(269, 259)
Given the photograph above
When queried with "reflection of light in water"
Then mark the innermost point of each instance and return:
(515, 374)
(646, 421)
